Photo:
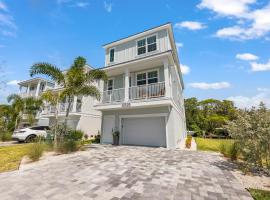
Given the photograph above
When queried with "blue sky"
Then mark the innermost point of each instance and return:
(223, 45)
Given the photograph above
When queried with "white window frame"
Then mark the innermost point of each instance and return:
(113, 48)
(110, 79)
(146, 71)
(146, 45)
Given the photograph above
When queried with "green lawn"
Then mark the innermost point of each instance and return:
(11, 156)
(259, 194)
(206, 144)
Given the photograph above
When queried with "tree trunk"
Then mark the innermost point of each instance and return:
(56, 125)
(67, 114)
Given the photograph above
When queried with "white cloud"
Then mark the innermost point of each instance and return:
(254, 23)
(82, 4)
(263, 89)
(248, 102)
(179, 45)
(206, 86)
(191, 25)
(7, 20)
(184, 69)
(108, 6)
(13, 82)
(3, 6)
(227, 7)
(256, 67)
(246, 56)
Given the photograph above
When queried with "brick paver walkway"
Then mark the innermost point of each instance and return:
(105, 172)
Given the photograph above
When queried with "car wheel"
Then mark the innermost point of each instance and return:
(30, 138)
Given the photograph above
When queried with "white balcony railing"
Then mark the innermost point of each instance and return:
(62, 108)
(147, 91)
(115, 95)
(154, 90)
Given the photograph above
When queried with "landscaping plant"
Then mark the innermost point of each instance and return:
(251, 129)
(36, 150)
(188, 142)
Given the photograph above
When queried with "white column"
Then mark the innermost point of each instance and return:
(37, 90)
(28, 89)
(167, 78)
(74, 104)
(126, 85)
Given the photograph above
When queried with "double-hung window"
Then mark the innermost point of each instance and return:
(110, 84)
(111, 55)
(141, 46)
(147, 78)
(151, 43)
(147, 45)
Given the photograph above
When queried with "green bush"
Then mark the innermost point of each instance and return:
(68, 146)
(229, 150)
(233, 151)
(96, 139)
(75, 135)
(5, 136)
(35, 151)
(188, 142)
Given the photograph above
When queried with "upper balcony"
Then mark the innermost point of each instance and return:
(140, 83)
(75, 108)
(34, 87)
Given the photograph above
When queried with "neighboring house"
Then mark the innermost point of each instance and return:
(82, 115)
(143, 97)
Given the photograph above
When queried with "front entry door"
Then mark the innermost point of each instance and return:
(108, 127)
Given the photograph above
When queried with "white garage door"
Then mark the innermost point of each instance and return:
(146, 131)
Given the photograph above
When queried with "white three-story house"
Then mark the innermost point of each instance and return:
(143, 97)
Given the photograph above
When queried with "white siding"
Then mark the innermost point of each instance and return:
(128, 51)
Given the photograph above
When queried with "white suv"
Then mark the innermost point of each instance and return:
(30, 133)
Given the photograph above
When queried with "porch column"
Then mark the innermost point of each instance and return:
(167, 78)
(126, 85)
(28, 89)
(37, 91)
(74, 104)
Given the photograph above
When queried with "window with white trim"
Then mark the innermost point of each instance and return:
(111, 55)
(147, 78)
(147, 44)
(110, 84)
(152, 43)
(141, 47)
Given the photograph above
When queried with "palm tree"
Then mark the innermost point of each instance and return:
(29, 106)
(32, 106)
(18, 107)
(53, 98)
(75, 81)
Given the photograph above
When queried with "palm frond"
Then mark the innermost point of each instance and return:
(49, 70)
(13, 97)
(90, 91)
(96, 74)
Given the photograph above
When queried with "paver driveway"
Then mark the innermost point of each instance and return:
(104, 172)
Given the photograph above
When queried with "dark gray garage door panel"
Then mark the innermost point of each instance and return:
(146, 131)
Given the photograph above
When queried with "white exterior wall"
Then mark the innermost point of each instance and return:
(128, 51)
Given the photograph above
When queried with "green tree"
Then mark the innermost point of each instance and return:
(53, 98)
(251, 129)
(28, 106)
(18, 105)
(74, 81)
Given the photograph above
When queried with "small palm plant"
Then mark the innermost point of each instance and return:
(74, 82)
(17, 103)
